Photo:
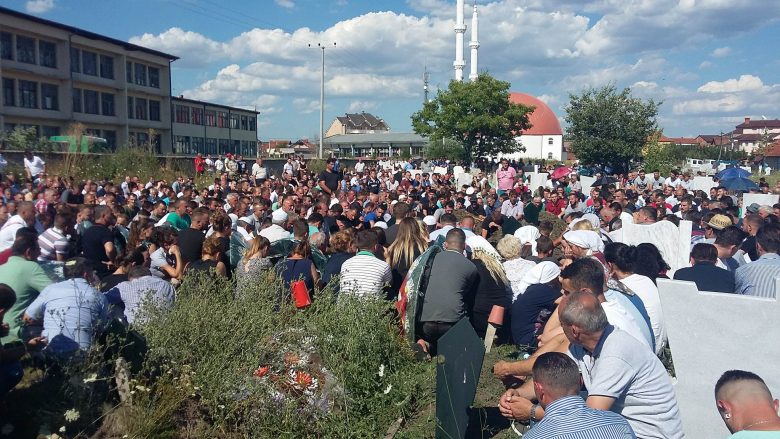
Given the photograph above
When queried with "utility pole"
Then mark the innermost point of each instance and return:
(322, 95)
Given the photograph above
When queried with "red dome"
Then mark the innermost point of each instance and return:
(543, 120)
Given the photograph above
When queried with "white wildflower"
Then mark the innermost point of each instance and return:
(72, 415)
(54, 436)
(381, 370)
(91, 379)
(387, 390)
(63, 429)
(221, 406)
(142, 388)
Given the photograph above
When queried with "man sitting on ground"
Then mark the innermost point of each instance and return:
(704, 272)
(557, 385)
(758, 278)
(139, 291)
(364, 274)
(619, 373)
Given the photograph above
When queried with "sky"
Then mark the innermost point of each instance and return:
(711, 62)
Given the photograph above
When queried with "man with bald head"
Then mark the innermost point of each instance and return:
(746, 405)
(25, 217)
(619, 373)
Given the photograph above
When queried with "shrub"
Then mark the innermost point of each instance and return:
(332, 370)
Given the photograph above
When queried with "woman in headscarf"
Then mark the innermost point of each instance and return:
(527, 236)
(537, 302)
(582, 243)
(515, 267)
(493, 284)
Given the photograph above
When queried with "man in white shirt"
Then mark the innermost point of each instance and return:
(288, 167)
(512, 207)
(209, 163)
(673, 180)
(34, 166)
(360, 166)
(25, 217)
(219, 165)
(259, 172)
(278, 229)
(365, 275)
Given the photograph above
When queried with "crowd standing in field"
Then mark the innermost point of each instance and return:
(76, 254)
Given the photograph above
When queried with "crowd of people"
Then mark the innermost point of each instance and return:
(77, 254)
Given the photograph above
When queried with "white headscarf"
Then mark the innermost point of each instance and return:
(542, 273)
(528, 235)
(585, 239)
(478, 242)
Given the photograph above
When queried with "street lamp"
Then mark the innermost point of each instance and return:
(322, 94)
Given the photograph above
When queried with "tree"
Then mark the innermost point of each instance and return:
(608, 127)
(444, 148)
(477, 114)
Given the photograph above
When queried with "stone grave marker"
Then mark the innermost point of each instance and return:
(586, 183)
(459, 363)
(703, 184)
(537, 179)
(761, 199)
(439, 170)
(673, 242)
(710, 333)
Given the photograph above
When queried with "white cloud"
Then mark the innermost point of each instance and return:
(176, 41)
(705, 65)
(39, 6)
(306, 106)
(289, 4)
(721, 52)
(360, 106)
(728, 103)
(744, 83)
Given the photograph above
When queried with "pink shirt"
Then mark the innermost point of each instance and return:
(506, 179)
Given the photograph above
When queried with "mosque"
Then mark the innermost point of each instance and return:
(544, 140)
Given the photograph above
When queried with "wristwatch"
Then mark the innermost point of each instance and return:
(532, 417)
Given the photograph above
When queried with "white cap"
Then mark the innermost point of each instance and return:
(429, 220)
(470, 191)
(381, 225)
(401, 197)
(279, 216)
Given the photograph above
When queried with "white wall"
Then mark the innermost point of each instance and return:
(538, 147)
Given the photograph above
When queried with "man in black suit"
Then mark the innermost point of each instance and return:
(704, 272)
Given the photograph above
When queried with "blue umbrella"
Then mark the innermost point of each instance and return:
(730, 173)
(738, 184)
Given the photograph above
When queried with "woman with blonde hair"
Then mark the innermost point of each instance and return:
(410, 242)
(255, 260)
(493, 284)
(515, 267)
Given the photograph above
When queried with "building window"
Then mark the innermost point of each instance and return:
(154, 110)
(77, 100)
(25, 49)
(49, 131)
(197, 116)
(110, 136)
(182, 114)
(550, 141)
(197, 145)
(235, 147)
(211, 146)
(244, 123)
(28, 94)
(140, 74)
(211, 118)
(107, 104)
(154, 77)
(50, 99)
(549, 156)
(106, 66)
(222, 119)
(89, 63)
(234, 121)
(6, 46)
(130, 107)
(48, 53)
(91, 105)
(140, 108)
(129, 70)
(253, 123)
(75, 60)
(181, 144)
(223, 146)
(9, 94)
(142, 139)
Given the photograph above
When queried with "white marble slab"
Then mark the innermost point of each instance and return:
(703, 184)
(537, 179)
(440, 170)
(711, 333)
(673, 242)
(761, 199)
(586, 183)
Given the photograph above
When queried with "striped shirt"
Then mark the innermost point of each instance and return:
(52, 242)
(758, 277)
(570, 418)
(143, 291)
(364, 275)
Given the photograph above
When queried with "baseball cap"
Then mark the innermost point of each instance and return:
(720, 222)
(753, 208)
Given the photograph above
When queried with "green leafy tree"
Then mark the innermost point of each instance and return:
(445, 148)
(608, 127)
(478, 114)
